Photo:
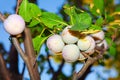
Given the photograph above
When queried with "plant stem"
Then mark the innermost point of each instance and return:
(4, 74)
(29, 50)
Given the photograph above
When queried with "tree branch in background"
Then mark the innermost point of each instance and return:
(23, 70)
(34, 75)
(13, 62)
(86, 73)
(4, 74)
(89, 62)
(56, 74)
(49, 63)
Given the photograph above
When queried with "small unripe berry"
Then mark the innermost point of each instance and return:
(14, 24)
(71, 53)
(67, 37)
(99, 36)
(84, 43)
(55, 43)
(90, 50)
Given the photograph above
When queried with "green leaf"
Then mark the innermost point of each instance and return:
(98, 7)
(70, 11)
(50, 20)
(83, 21)
(112, 50)
(29, 10)
(112, 46)
(99, 21)
(33, 22)
(117, 8)
(95, 27)
(37, 42)
(24, 10)
(34, 10)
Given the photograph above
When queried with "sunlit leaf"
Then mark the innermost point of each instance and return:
(83, 21)
(97, 7)
(34, 10)
(95, 27)
(51, 19)
(24, 10)
(33, 22)
(99, 21)
(37, 42)
(70, 11)
(29, 10)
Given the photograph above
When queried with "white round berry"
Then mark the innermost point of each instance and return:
(84, 43)
(55, 43)
(68, 37)
(99, 36)
(90, 50)
(70, 53)
(14, 24)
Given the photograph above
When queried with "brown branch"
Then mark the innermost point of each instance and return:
(25, 58)
(29, 50)
(89, 62)
(23, 70)
(19, 49)
(86, 73)
(4, 74)
(2, 18)
(49, 63)
(18, 4)
(13, 60)
(55, 75)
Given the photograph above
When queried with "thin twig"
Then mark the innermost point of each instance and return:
(18, 4)
(49, 63)
(55, 75)
(19, 49)
(29, 50)
(2, 18)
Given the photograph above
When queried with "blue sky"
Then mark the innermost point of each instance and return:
(51, 6)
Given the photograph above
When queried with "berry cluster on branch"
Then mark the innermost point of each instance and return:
(73, 48)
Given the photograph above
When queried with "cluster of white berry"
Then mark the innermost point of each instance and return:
(72, 47)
